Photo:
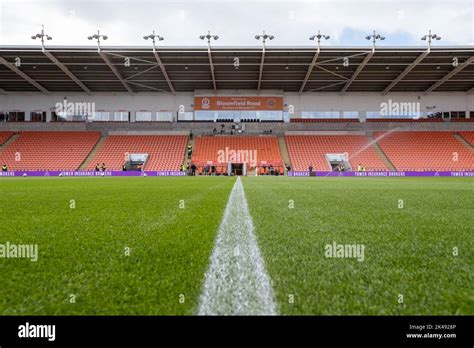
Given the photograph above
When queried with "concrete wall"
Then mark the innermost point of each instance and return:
(361, 102)
(251, 128)
(103, 102)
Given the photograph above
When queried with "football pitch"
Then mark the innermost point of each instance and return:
(330, 246)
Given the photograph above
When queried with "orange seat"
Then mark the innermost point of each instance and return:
(306, 150)
(4, 136)
(426, 151)
(165, 152)
(468, 136)
(219, 150)
(49, 150)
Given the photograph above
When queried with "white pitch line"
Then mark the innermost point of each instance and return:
(236, 282)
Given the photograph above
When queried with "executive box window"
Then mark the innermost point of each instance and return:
(350, 114)
(65, 117)
(458, 114)
(102, 116)
(373, 114)
(320, 114)
(121, 116)
(38, 116)
(12, 116)
(143, 116)
(165, 116)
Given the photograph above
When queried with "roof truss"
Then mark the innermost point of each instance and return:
(357, 72)
(66, 71)
(211, 65)
(450, 74)
(405, 72)
(116, 72)
(163, 71)
(13, 68)
(310, 69)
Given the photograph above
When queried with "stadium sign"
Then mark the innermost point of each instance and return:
(236, 103)
(180, 173)
(85, 173)
(383, 173)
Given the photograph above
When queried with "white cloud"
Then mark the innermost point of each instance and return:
(236, 22)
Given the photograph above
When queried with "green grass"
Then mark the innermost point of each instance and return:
(408, 250)
(82, 250)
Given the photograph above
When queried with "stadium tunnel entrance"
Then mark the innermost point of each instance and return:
(338, 162)
(238, 169)
(135, 162)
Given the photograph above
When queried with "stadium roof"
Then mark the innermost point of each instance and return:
(186, 69)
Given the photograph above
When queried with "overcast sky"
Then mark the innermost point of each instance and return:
(238, 21)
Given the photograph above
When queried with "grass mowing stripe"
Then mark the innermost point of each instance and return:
(81, 250)
(237, 282)
(408, 246)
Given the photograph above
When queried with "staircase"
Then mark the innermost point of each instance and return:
(463, 141)
(190, 142)
(9, 141)
(378, 150)
(91, 155)
(284, 151)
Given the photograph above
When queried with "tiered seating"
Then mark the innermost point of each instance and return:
(405, 120)
(426, 151)
(468, 136)
(309, 120)
(4, 136)
(462, 120)
(165, 152)
(49, 150)
(208, 148)
(306, 150)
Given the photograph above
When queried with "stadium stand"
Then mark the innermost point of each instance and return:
(312, 120)
(267, 150)
(4, 136)
(462, 119)
(425, 151)
(165, 152)
(405, 120)
(468, 136)
(48, 150)
(305, 150)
